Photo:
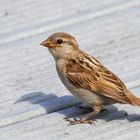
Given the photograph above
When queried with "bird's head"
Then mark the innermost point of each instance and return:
(60, 44)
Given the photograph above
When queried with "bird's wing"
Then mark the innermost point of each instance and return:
(88, 73)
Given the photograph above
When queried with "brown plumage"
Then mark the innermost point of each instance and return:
(85, 77)
(98, 78)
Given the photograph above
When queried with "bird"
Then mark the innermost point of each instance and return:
(86, 77)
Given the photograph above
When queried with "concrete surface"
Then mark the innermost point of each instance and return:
(33, 101)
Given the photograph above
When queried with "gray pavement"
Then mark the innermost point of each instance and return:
(33, 101)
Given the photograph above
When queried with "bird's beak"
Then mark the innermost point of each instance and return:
(43, 43)
(47, 43)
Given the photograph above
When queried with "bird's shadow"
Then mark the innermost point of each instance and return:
(49, 103)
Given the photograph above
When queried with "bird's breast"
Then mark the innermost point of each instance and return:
(86, 96)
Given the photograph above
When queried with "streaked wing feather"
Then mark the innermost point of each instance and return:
(98, 79)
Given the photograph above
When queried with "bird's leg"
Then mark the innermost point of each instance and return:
(85, 119)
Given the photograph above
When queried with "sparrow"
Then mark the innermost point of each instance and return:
(85, 77)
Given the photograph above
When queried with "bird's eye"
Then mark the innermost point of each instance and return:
(59, 41)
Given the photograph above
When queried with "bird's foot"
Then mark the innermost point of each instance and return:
(78, 121)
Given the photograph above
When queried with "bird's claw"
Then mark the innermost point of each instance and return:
(78, 121)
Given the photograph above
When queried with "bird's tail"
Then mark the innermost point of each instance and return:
(134, 100)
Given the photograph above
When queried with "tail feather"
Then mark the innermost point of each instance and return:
(134, 100)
